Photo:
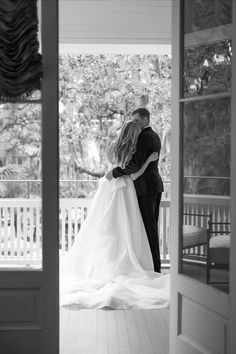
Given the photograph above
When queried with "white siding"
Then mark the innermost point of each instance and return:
(115, 21)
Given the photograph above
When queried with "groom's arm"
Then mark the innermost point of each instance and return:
(137, 160)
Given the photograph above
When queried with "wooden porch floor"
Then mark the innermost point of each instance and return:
(89, 331)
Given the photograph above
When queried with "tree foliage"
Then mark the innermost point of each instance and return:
(97, 94)
(20, 147)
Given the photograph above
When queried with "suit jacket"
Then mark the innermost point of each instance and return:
(150, 182)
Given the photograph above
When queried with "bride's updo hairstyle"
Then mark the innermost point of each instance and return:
(126, 142)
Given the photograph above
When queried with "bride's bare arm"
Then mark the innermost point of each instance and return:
(153, 157)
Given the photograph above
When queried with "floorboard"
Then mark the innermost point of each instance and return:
(88, 331)
(134, 337)
(112, 333)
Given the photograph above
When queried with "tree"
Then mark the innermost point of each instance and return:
(97, 93)
(20, 148)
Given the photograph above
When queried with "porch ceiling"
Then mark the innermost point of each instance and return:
(117, 23)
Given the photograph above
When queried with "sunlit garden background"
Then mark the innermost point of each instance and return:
(96, 95)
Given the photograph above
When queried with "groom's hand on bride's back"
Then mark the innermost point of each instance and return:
(109, 175)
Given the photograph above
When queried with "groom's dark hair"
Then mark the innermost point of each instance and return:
(143, 112)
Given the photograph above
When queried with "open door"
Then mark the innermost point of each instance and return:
(29, 226)
(203, 207)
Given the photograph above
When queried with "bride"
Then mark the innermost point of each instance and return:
(110, 263)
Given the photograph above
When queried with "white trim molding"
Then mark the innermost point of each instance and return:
(76, 48)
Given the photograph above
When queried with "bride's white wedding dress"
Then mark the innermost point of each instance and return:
(110, 262)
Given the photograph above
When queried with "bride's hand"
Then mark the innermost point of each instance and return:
(109, 175)
(153, 157)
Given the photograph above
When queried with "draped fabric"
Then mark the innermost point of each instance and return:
(20, 61)
(110, 263)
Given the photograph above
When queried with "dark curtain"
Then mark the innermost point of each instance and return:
(20, 62)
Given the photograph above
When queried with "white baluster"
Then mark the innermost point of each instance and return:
(69, 228)
(5, 232)
(76, 226)
(63, 238)
(38, 234)
(18, 232)
(82, 214)
(12, 232)
(163, 232)
(168, 231)
(25, 210)
(31, 233)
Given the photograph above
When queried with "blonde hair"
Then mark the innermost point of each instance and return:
(126, 142)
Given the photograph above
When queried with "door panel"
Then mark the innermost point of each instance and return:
(25, 308)
(29, 290)
(200, 311)
(197, 335)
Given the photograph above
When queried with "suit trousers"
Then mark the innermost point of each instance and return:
(149, 207)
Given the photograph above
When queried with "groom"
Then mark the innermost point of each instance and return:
(149, 186)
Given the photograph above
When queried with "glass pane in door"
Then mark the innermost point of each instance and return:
(207, 69)
(205, 127)
(20, 186)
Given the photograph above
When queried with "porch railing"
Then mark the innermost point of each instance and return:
(21, 232)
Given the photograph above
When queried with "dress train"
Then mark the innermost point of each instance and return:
(110, 262)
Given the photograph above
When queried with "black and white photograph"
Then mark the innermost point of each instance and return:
(117, 177)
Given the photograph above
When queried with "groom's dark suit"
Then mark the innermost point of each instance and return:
(149, 187)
